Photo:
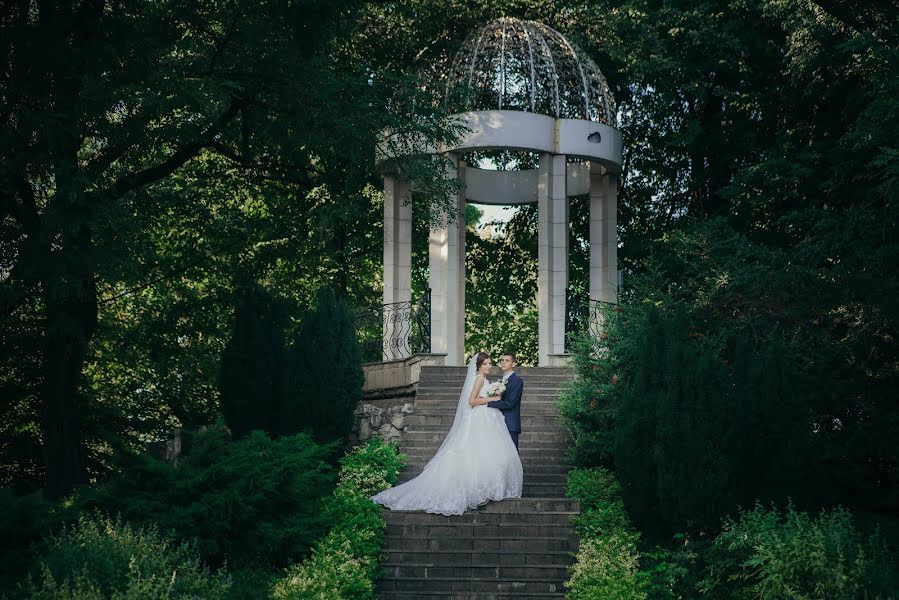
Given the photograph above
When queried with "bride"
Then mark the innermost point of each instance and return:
(476, 462)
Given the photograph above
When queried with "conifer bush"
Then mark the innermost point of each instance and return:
(695, 426)
(326, 374)
(253, 373)
(253, 501)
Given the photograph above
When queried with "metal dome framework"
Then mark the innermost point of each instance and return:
(521, 86)
(512, 64)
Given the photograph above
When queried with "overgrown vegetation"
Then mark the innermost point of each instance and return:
(345, 563)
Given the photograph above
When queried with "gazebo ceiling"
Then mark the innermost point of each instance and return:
(512, 64)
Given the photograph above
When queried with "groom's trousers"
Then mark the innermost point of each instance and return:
(514, 435)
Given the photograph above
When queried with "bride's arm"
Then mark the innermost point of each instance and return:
(473, 399)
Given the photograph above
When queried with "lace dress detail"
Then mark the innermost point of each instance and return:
(479, 464)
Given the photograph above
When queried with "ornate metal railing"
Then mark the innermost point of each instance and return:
(581, 315)
(396, 330)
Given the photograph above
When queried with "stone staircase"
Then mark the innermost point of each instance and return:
(517, 548)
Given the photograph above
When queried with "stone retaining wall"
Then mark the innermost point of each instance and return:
(389, 396)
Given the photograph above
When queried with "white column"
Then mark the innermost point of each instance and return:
(446, 259)
(397, 262)
(603, 234)
(552, 256)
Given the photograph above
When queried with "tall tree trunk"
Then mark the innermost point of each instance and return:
(71, 312)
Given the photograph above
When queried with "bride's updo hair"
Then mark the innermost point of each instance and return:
(482, 356)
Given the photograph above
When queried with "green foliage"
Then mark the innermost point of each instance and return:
(607, 563)
(100, 557)
(606, 567)
(768, 554)
(253, 372)
(326, 372)
(589, 403)
(697, 436)
(593, 487)
(344, 564)
(670, 573)
(256, 500)
(501, 288)
(206, 148)
(24, 521)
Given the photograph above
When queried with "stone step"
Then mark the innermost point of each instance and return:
(427, 449)
(497, 531)
(477, 571)
(435, 389)
(422, 455)
(529, 422)
(557, 511)
(413, 437)
(525, 544)
(512, 505)
(394, 595)
(448, 406)
(530, 466)
(455, 387)
(529, 489)
(531, 473)
(464, 557)
(557, 481)
(522, 371)
(438, 413)
(471, 584)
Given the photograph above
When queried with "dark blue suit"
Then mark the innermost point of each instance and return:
(510, 405)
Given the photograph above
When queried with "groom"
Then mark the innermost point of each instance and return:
(509, 402)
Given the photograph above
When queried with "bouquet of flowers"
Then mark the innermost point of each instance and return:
(496, 388)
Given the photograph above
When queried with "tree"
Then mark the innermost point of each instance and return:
(107, 109)
(698, 436)
(325, 372)
(253, 371)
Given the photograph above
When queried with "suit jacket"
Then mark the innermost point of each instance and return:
(510, 403)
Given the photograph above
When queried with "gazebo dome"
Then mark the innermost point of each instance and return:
(512, 64)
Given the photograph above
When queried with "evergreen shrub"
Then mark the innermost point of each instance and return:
(326, 374)
(344, 564)
(256, 500)
(695, 425)
(103, 558)
(253, 372)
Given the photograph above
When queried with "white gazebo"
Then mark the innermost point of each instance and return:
(519, 85)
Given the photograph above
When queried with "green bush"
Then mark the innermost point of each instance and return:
(326, 372)
(24, 520)
(607, 563)
(700, 432)
(768, 555)
(253, 372)
(606, 568)
(255, 500)
(593, 487)
(345, 563)
(100, 558)
(589, 403)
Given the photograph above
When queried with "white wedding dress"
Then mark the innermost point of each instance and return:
(476, 462)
